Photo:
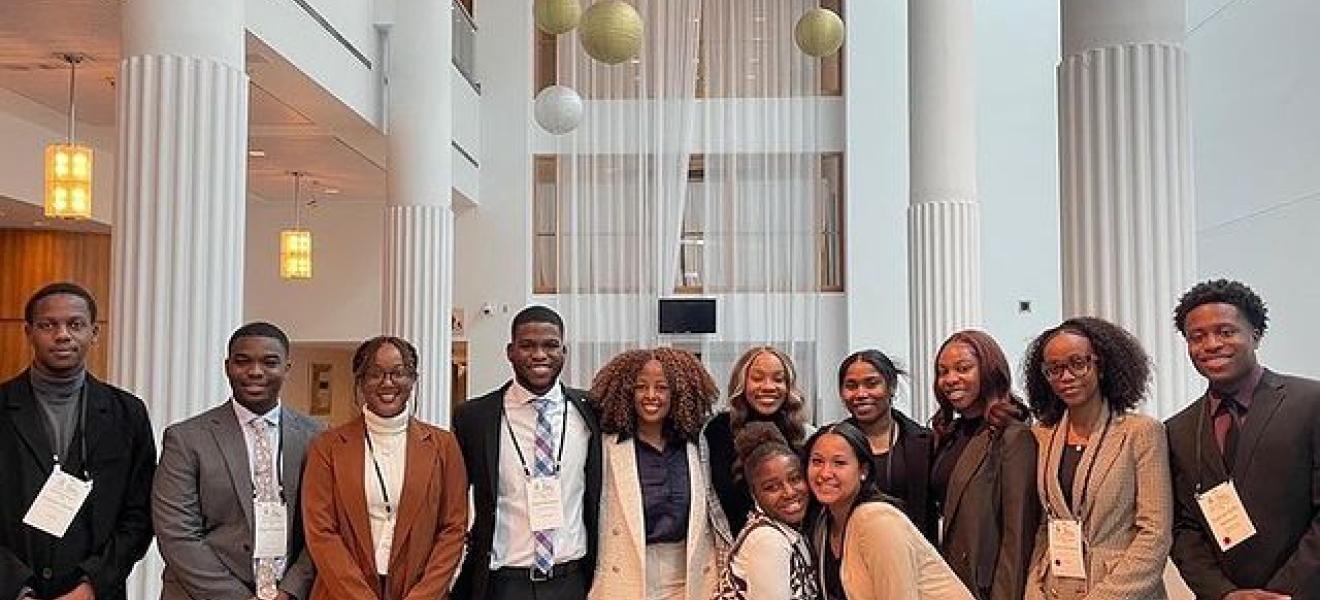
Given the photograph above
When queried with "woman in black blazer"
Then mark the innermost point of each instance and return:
(901, 448)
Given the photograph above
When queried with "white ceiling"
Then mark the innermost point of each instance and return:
(33, 33)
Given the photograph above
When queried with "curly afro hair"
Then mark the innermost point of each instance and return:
(1122, 365)
(759, 441)
(692, 392)
(1224, 291)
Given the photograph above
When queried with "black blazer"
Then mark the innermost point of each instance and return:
(477, 425)
(1275, 472)
(113, 529)
(917, 444)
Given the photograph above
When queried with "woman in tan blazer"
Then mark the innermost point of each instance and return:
(983, 473)
(384, 495)
(1101, 465)
(866, 548)
(655, 538)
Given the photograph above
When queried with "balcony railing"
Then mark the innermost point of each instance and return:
(465, 44)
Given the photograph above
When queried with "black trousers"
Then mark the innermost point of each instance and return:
(570, 586)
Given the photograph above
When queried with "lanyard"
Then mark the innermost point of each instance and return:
(563, 432)
(1086, 481)
(380, 477)
(80, 433)
(1200, 433)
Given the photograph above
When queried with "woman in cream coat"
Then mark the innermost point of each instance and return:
(1099, 463)
(655, 539)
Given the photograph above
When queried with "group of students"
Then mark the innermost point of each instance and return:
(634, 489)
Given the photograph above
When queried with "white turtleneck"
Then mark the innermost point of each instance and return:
(389, 439)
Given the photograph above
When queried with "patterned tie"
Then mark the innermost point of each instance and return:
(544, 467)
(268, 490)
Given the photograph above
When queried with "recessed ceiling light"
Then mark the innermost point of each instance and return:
(39, 223)
(331, 191)
(257, 153)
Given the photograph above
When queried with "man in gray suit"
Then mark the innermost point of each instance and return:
(225, 503)
(1257, 429)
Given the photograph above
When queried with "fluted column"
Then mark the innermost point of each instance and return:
(177, 266)
(1127, 237)
(419, 221)
(944, 248)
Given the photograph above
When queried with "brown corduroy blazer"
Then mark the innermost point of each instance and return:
(428, 536)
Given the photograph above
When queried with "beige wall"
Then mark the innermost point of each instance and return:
(297, 387)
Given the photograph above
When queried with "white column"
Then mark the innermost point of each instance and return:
(1128, 245)
(944, 248)
(181, 171)
(419, 220)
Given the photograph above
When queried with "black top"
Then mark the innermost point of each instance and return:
(912, 471)
(1072, 456)
(735, 497)
(830, 571)
(892, 470)
(951, 449)
(665, 490)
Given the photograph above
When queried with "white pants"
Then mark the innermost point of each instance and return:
(666, 569)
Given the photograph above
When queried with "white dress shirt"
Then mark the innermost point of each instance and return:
(272, 417)
(513, 545)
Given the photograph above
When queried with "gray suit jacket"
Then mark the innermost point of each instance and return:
(201, 505)
(1126, 512)
(991, 513)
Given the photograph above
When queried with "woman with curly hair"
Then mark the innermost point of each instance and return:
(770, 558)
(762, 387)
(1103, 470)
(984, 473)
(654, 540)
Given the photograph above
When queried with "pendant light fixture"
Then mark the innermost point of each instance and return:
(69, 166)
(296, 242)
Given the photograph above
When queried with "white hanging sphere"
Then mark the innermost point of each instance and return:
(558, 109)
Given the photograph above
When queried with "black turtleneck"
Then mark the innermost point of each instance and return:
(950, 451)
(58, 398)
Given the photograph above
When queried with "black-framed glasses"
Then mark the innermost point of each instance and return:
(1078, 365)
(378, 376)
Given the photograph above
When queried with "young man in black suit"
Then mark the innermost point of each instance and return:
(533, 457)
(58, 423)
(1260, 431)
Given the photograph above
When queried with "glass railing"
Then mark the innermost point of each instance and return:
(465, 44)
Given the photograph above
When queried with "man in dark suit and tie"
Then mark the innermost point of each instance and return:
(223, 471)
(60, 424)
(1260, 431)
(533, 456)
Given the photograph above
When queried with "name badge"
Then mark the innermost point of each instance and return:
(58, 502)
(384, 545)
(1066, 556)
(1228, 519)
(545, 504)
(272, 530)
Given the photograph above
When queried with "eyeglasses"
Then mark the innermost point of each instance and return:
(1078, 365)
(377, 376)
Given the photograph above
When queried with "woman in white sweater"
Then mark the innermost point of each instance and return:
(770, 558)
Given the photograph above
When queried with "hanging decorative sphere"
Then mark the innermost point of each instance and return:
(819, 32)
(611, 31)
(558, 109)
(556, 16)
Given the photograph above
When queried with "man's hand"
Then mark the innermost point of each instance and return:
(84, 591)
(1254, 595)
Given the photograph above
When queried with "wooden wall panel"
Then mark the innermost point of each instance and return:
(30, 259)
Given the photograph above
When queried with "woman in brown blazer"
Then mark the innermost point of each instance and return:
(984, 473)
(384, 495)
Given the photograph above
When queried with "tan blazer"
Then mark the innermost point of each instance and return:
(428, 536)
(885, 557)
(991, 512)
(1126, 515)
(621, 567)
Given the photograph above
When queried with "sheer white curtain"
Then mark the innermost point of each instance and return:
(622, 185)
(763, 197)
